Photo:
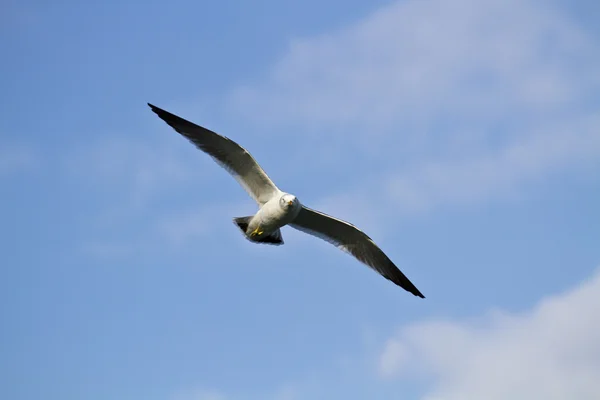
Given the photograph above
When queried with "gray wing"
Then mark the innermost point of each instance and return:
(352, 240)
(227, 153)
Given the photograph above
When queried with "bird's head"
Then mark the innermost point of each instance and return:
(288, 201)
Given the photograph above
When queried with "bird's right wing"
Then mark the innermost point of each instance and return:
(352, 240)
(227, 153)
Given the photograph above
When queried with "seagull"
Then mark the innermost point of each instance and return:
(278, 208)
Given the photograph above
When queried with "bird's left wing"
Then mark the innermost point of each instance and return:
(352, 240)
(227, 153)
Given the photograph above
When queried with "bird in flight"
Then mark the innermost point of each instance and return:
(278, 208)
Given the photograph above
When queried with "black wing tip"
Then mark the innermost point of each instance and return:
(412, 290)
(405, 284)
(170, 118)
(158, 111)
(408, 286)
(415, 292)
(173, 119)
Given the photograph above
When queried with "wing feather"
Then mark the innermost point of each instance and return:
(227, 153)
(352, 240)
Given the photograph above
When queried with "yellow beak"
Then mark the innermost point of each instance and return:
(290, 203)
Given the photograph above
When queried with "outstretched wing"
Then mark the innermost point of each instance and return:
(227, 153)
(352, 240)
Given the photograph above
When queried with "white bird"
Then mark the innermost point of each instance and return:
(277, 208)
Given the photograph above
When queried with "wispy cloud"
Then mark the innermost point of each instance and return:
(449, 180)
(548, 352)
(524, 161)
(459, 107)
(422, 59)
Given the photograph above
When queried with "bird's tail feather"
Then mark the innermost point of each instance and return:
(242, 222)
(274, 238)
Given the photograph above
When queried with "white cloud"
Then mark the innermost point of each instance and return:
(425, 58)
(488, 176)
(549, 352)
(464, 100)
(523, 161)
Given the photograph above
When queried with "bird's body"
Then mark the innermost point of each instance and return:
(277, 212)
(278, 209)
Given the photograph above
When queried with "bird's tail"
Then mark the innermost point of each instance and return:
(242, 222)
(274, 238)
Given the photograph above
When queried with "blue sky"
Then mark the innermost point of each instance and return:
(461, 136)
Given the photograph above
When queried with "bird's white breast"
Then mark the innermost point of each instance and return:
(272, 216)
